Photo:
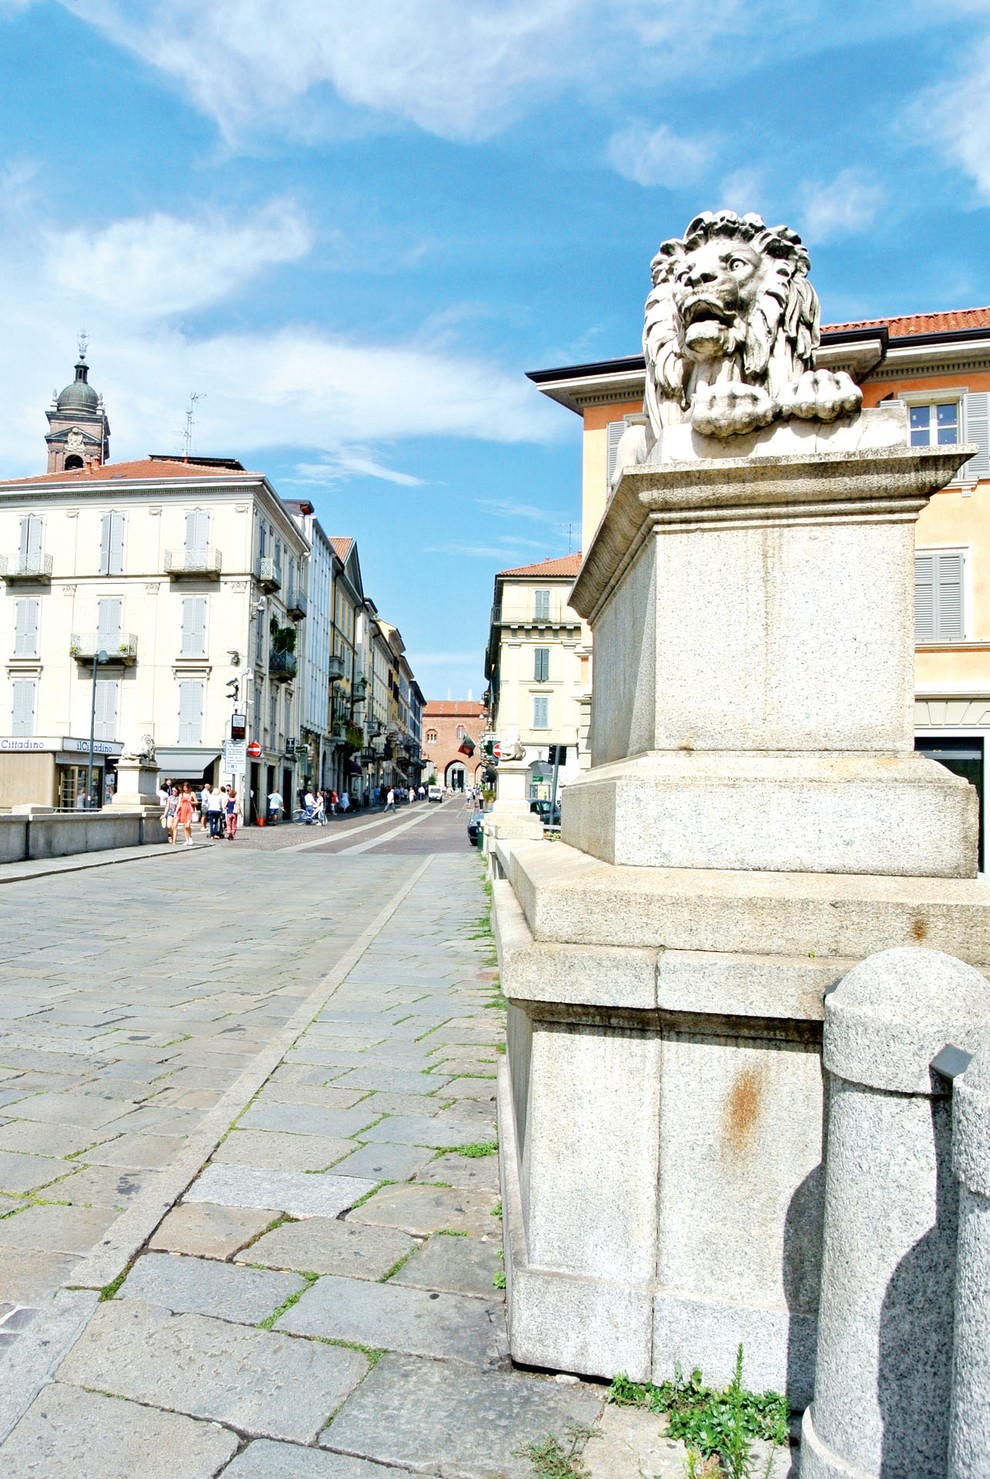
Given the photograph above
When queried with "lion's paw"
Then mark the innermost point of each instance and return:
(731, 410)
(821, 395)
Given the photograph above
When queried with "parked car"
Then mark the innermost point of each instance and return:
(434, 793)
(548, 812)
(474, 826)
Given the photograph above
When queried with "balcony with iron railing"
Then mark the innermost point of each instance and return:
(269, 574)
(120, 648)
(336, 667)
(32, 568)
(296, 604)
(193, 564)
(282, 666)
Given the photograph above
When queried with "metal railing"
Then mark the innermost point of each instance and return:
(120, 647)
(269, 574)
(25, 567)
(202, 562)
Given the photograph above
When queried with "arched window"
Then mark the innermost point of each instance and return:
(73, 462)
(431, 736)
(460, 731)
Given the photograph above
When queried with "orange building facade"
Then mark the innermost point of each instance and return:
(938, 364)
(450, 727)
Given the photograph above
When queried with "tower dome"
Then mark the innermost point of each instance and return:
(79, 395)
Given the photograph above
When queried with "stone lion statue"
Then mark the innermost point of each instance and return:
(512, 747)
(732, 325)
(142, 750)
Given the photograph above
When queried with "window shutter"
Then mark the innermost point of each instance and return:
(26, 629)
(541, 714)
(615, 430)
(193, 626)
(197, 531)
(106, 709)
(924, 598)
(22, 718)
(190, 712)
(541, 665)
(541, 605)
(976, 411)
(949, 623)
(109, 623)
(105, 544)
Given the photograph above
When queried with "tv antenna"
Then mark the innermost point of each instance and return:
(567, 529)
(194, 397)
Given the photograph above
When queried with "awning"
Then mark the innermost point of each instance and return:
(183, 762)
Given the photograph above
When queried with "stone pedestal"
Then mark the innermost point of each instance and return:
(137, 786)
(510, 815)
(753, 824)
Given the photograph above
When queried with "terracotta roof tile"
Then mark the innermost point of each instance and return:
(341, 547)
(145, 467)
(564, 565)
(910, 324)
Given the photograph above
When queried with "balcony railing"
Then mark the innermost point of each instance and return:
(192, 564)
(120, 647)
(282, 666)
(269, 574)
(296, 604)
(336, 667)
(26, 567)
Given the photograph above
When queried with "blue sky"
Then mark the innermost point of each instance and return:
(353, 229)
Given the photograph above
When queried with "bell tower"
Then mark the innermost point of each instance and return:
(79, 432)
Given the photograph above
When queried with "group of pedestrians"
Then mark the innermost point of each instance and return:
(219, 811)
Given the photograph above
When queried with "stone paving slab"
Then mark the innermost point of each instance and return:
(89, 1436)
(478, 1420)
(398, 1080)
(479, 1173)
(75, 1108)
(27, 1274)
(137, 1152)
(200, 1286)
(413, 1129)
(266, 1460)
(320, 1096)
(385, 1162)
(210, 1232)
(400, 1319)
(53, 1229)
(102, 1186)
(322, 1245)
(307, 1120)
(295, 1192)
(273, 1150)
(260, 1382)
(21, 1173)
(457, 1265)
(421, 1210)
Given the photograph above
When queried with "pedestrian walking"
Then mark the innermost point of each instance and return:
(215, 805)
(184, 812)
(204, 806)
(390, 800)
(274, 807)
(319, 810)
(233, 813)
(170, 818)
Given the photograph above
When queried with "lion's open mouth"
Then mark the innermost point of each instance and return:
(699, 309)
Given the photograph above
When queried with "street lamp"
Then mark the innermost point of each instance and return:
(98, 657)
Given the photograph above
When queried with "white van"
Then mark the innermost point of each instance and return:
(434, 793)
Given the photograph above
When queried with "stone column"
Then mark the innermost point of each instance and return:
(881, 1402)
(510, 815)
(137, 786)
(969, 1424)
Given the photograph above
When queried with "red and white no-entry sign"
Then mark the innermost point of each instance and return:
(254, 749)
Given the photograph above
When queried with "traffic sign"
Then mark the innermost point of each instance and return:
(254, 749)
(235, 757)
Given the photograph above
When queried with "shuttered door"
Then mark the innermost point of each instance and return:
(190, 712)
(976, 410)
(31, 530)
(541, 712)
(105, 727)
(112, 544)
(26, 628)
(22, 718)
(197, 536)
(109, 624)
(193, 626)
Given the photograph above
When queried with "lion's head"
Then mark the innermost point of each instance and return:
(731, 302)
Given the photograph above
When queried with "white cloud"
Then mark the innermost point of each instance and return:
(659, 156)
(840, 207)
(505, 508)
(351, 460)
(956, 116)
(744, 190)
(157, 265)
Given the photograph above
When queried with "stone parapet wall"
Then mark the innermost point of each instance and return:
(60, 834)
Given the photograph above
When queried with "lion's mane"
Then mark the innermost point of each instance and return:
(779, 338)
